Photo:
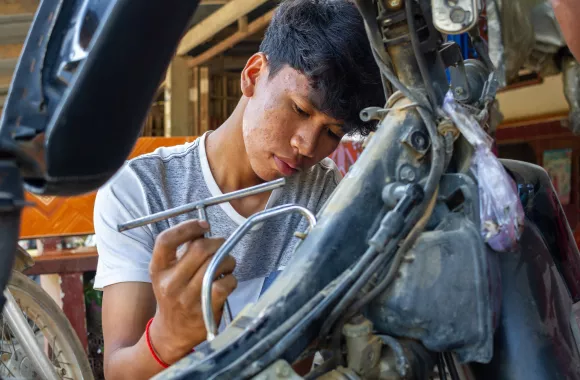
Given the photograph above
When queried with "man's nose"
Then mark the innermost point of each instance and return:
(306, 141)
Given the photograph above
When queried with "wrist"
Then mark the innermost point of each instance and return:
(166, 347)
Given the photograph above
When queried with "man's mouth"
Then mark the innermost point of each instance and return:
(284, 167)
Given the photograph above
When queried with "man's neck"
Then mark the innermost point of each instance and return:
(227, 155)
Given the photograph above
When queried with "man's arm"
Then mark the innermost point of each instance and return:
(127, 307)
(178, 325)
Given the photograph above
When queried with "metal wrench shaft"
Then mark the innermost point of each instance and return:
(268, 186)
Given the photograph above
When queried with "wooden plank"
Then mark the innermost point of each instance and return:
(225, 94)
(10, 51)
(194, 99)
(65, 261)
(243, 24)
(12, 7)
(203, 100)
(73, 216)
(14, 28)
(7, 66)
(73, 305)
(209, 27)
(177, 115)
(254, 27)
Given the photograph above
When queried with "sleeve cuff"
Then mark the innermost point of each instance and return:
(119, 276)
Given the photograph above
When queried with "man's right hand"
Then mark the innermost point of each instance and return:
(178, 324)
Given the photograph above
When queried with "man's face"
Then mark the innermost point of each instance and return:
(284, 132)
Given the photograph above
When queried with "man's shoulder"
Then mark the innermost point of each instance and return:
(163, 156)
(153, 172)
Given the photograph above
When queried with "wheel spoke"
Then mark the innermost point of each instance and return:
(8, 369)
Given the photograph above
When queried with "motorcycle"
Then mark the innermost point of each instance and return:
(431, 257)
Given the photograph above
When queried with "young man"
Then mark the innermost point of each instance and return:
(301, 94)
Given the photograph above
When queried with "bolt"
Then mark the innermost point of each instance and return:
(459, 91)
(419, 141)
(458, 15)
(407, 173)
(6, 356)
(395, 4)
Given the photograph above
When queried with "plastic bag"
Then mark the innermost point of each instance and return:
(501, 212)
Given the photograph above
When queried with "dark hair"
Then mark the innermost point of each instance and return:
(327, 42)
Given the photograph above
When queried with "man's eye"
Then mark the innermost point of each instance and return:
(300, 111)
(332, 134)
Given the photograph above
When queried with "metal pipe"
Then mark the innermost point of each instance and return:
(162, 215)
(202, 215)
(22, 330)
(225, 249)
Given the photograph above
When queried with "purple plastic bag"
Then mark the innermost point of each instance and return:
(501, 212)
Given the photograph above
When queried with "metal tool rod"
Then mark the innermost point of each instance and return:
(227, 313)
(26, 338)
(225, 249)
(268, 186)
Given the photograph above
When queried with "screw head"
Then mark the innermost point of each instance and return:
(459, 91)
(419, 141)
(407, 173)
(458, 15)
(395, 4)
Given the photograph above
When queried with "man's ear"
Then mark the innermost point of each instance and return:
(256, 67)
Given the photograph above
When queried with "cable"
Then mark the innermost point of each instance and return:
(407, 243)
(376, 43)
(451, 365)
(416, 44)
(449, 141)
(441, 367)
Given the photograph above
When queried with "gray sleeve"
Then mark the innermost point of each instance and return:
(123, 256)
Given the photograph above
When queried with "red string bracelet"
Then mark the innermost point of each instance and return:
(151, 349)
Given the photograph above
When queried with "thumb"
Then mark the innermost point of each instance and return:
(167, 242)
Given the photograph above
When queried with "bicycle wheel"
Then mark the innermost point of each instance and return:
(53, 333)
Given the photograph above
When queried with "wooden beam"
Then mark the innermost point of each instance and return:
(12, 7)
(213, 2)
(254, 27)
(5, 81)
(203, 100)
(177, 115)
(194, 99)
(226, 15)
(243, 24)
(7, 66)
(10, 51)
(65, 261)
(14, 28)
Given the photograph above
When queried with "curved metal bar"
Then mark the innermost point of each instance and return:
(226, 248)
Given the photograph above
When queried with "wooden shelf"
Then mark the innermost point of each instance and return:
(65, 261)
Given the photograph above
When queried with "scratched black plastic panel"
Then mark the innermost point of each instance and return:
(544, 209)
(534, 340)
(91, 124)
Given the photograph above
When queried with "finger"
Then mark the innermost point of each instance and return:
(227, 266)
(220, 291)
(166, 243)
(195, 284)
(198, 252)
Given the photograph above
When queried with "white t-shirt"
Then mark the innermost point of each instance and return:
(174, 176)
